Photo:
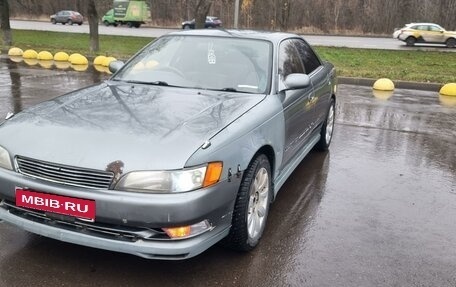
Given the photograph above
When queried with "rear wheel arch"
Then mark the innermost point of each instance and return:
(451, 42)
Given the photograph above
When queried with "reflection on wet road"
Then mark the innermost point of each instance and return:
(378, 210)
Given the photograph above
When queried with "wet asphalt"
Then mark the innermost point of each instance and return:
(378, 209)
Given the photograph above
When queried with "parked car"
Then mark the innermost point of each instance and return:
(185, 145)
(67, 17)
(211, 22)
(425, 33)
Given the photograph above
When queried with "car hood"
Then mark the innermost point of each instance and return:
(144, 127)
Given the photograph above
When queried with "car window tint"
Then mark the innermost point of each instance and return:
(308, 56)
(434, 28)
(289, 59)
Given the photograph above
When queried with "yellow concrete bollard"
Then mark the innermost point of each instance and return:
(78, 60)
(15, 52)
(448, 90)
(61, 56)
(383, 84)
(45, 56)
(108, 60)
(99, 60)
(30, 54)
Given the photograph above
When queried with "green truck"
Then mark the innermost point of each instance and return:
(130, 13)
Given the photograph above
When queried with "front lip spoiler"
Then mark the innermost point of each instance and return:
(169, 250)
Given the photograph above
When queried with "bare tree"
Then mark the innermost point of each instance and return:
(322, 16)
(202, 8)
(5, 23)
(93, 26)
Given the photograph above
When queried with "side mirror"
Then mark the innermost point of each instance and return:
(114, 66)
(297, 81)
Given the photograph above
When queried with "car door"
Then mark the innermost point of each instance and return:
(59, 17)
(435, 34)
(319, 78)
(427, 35)
(296, 103)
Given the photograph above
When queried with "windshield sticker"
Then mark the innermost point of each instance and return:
(211, 58)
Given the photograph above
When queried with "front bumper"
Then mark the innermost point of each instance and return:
(129, 210)
(169, 250)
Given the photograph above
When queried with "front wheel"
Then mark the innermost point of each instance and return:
(327, 129)
(252, 206)
(53, 21)
(70, 22)
(451, 43)
(410, 41)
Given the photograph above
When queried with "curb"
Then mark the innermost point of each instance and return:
(432, 87)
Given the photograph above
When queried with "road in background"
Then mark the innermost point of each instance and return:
(316, 40)
(378, 209)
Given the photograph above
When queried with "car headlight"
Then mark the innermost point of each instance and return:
(5, 160)
(171, 181)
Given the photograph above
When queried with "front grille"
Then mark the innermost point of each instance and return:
(64, 174)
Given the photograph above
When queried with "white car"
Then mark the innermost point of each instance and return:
(426, 33)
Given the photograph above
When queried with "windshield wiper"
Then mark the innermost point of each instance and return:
(155, 83)
(159, 83)
(229, 89)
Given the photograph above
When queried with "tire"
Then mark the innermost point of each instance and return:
(70, 22)
(451, 43)
(251, 207)
(53, 21)
(326, 132)
(186, 27)
(129, 24)
(106, 23)
(410, 41)
(80, 24)
(137, 25)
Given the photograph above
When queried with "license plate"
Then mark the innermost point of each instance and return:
(77, 207)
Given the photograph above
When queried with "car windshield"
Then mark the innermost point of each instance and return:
(214, 63)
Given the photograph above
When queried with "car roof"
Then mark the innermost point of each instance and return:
(423, 23)
(272, 36)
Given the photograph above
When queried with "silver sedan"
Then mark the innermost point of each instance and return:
(186, 145)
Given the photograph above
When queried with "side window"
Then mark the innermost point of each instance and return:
(308, 56)
(422, 28)
(289, 59)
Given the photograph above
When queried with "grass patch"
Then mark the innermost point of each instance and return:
(420, 66)
(121, 47)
